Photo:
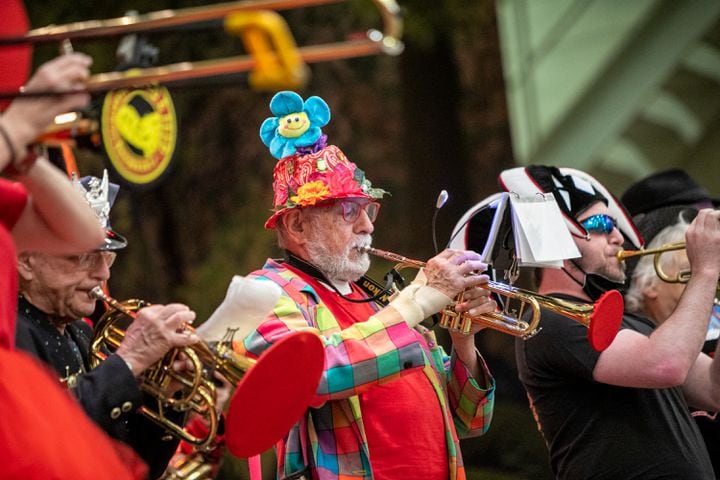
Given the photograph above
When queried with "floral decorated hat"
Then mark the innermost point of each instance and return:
(309, 171)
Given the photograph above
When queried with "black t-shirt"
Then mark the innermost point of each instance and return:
(599, 431)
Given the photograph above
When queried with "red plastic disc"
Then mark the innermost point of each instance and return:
(605, 320)
(15, 59)
(274, 394)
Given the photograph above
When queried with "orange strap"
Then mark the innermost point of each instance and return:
(69, 157)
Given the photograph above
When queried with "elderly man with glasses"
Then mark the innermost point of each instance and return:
(391, 404)
(622, 412)
(55, 297)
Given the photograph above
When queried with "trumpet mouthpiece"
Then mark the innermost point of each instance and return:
(96, 293)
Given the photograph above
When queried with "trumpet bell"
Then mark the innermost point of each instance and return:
(274, 394)
(605, 319)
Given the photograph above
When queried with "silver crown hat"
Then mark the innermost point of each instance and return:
(100, 194)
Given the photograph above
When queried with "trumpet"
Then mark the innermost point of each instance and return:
(275, 61)
(296, 362)
(681, 277)
(602, 318)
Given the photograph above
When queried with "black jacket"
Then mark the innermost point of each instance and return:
(109, 393)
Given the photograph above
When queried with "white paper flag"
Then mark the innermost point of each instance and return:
(541, 237)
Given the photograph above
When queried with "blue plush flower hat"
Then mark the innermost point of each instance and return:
(309, 171)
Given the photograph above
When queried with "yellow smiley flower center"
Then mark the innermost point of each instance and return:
(294, 125)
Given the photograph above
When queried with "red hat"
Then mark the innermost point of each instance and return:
(311, 174)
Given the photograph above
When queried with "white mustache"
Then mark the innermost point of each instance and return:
(363, 245)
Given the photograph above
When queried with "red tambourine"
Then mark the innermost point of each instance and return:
(605, 320)
(274, 394)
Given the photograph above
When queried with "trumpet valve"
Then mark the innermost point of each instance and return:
(454, 321)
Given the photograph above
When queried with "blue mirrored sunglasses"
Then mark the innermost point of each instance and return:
(599, 223)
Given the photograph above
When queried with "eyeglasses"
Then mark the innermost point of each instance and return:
(599, 223)
(89, 260)
(351, 210)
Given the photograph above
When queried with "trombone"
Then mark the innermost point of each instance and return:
(682, 276)
(602, 318)
(270, 57)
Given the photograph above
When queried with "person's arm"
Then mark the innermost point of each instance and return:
(665, 358)
(56, 218)
(702, 387)
(26, 118)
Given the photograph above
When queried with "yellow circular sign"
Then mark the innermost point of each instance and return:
(139, 130)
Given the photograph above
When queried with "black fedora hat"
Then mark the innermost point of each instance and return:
(662, 189)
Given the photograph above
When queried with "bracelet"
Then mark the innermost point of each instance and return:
(16, 167)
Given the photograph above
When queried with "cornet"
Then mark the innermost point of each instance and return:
(296, 363)
(602, 318)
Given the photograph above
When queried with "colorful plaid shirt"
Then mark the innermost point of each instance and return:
(330, 440)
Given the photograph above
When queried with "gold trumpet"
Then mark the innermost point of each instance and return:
(681, 277)
(275, 62)
(197, 393)
(602, 318)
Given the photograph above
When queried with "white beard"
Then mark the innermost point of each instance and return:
(347, 267)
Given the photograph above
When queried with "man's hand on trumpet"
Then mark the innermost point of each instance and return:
(703, 245)
(457, 271)
(156, 330)
(453, 271)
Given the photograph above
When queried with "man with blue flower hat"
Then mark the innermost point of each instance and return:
(54, 298)
(387, 386)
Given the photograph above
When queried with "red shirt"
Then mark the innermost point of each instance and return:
(403, 420)
(13, 198)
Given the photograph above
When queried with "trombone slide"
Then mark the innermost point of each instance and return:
(275, 62)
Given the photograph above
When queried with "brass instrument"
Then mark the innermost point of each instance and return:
(681, 277)
(197, 391)
(190, 467)
(607, 310)
(274, 58)
(256, 416)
